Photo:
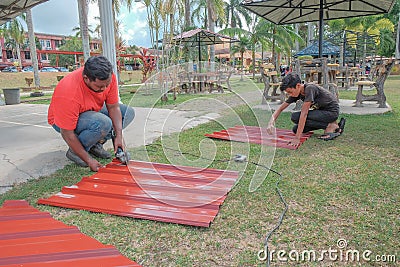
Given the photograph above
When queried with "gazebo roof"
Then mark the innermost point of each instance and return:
(327, 49)
(202, 37)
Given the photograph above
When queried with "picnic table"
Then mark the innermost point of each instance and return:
(194, 82)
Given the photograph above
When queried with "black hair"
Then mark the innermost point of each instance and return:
(290, 81)
(98, 67)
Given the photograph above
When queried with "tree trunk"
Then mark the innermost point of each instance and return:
(19, 54)
(274, 61)
(211, 24)
(187, 14)
(310, 35)
(32, 45)
(296, 43)
(241, 76)
(84, 25)
(398, 40)
(253, 53)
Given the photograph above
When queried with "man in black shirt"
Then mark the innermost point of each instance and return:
(320, 109)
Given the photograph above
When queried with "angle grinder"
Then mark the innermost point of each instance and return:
(123, 156)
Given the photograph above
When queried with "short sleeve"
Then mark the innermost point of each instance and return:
(112, 96)
(310, 93)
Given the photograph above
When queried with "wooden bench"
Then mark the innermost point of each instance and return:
(344, 81)
(383, 72)
(223, 78)
(271, 80)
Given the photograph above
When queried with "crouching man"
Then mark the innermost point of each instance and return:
(85, 109)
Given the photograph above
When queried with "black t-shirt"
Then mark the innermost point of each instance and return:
(319, 97)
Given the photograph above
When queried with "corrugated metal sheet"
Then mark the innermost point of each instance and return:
(31, 238)
(153, 191)
(258, 135)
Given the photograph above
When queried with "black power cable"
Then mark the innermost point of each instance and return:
(243, 158)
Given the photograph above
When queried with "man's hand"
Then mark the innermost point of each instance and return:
(94, 165)
(118, 142)
(294, 142)
(270, 127)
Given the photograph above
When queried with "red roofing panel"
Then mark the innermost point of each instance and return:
(258, 135)
(29, 237)
(154, 191)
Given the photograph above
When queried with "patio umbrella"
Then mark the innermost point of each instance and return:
(296, 11)
(10, 9)
(199, 37)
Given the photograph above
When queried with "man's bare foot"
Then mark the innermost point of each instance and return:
(331, 127)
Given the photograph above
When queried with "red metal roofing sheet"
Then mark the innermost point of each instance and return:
(258, 135)
(29, 237)
(153, 191)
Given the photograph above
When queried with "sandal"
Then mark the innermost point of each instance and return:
(329, 136)
(341, 124)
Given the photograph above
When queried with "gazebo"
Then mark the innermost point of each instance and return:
(328, 49)
(202, 37)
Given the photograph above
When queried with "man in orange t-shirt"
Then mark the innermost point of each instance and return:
(85, 109)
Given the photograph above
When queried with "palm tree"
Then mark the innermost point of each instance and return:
(242, 46)
(78, 32)
(386, 43)
(369, 25)
(14, 34)
(153, 19)
(187, 14)
(84, 27)
(394, 17)
(278, 37)
(235, 14)
(83, 20)
(208, 12)
(215, 11)
(199, 13)
(32, 44)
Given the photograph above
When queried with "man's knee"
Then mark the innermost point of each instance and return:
(100, 123)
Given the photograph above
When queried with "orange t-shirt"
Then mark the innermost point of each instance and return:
(72, 97)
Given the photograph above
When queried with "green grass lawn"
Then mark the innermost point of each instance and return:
(342, 189)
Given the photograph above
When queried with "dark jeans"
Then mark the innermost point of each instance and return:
(316, 119)
(93, 126)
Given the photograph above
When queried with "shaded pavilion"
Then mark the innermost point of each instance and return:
(201, 37)
(328, 49)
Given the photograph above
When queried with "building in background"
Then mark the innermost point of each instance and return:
(49, 44)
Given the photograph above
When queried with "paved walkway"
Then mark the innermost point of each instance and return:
(30, 148)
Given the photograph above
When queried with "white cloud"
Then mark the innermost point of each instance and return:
(93, 12)
(56, 17)
(134, 28)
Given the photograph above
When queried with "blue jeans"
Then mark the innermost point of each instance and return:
(93, 126)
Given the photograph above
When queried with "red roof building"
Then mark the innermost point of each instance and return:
(50, 44)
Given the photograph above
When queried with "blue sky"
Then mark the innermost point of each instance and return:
(61, 16)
